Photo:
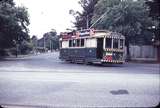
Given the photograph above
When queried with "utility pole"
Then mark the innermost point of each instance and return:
(16, 49)
(50, 45)
(36, 46)
(44, 44)
(17, 46)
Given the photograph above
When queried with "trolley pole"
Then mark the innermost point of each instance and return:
(101, 17)
(87, 22)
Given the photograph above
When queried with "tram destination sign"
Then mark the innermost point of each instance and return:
(88, 32)
(82, 33)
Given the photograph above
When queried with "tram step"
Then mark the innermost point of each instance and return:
(79, 61)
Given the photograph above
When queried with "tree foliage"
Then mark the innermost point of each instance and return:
(84, 17)
(129, 17)
(34, 41)
(154, 8)
(50, 40)
(13, 24)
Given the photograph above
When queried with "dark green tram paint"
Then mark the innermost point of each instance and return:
(73, 54)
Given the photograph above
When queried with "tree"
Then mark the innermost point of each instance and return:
(23, 18)
(130, 18)
(25, 47)
(83, 20)
(34, 40)
(8, 1)
(50, 40)
(154, 6)
(13, 24)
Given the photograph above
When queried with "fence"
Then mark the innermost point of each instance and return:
(145, 52)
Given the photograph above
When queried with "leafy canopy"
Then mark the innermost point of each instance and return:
(83, 19)
(13, 24)
(131, 18)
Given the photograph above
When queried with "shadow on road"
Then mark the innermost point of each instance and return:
(15, 59)
(94, 65)
(119, 92)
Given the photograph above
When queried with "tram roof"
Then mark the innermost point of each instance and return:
(90, 33)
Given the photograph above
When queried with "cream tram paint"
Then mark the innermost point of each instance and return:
(101, 34)
(91, 42)
(65, 44)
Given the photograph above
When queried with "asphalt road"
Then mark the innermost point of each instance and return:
(45, 81)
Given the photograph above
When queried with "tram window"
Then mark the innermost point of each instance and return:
(82, 42)
(121, 44)
(70, 43)
(74, 43)
(108, 42)
(115, 43)
(78, 42)
(60, 44)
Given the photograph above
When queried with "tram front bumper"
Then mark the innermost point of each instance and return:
(112, 61)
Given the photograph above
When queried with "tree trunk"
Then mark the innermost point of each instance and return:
(128, 57)
(16, 51)
(158, 53)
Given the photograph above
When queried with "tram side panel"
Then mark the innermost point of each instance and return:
(90, 54)
(78, 54)
(82, 54)
(75, 54)
(64, 54)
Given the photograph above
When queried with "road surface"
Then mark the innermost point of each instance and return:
(45, 81)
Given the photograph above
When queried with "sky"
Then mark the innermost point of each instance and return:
(49, 14)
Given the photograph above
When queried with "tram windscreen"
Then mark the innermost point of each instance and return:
(70, 43)
(74, 43)
(108, 42)
(78, 42)
(121, 43)
(115, 43)
(82, 42)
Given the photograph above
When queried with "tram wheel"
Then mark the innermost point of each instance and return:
(88, 63)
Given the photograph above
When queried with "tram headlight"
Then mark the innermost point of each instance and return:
(121, 56)
(117, 56)
(108, 53)
(108, 56)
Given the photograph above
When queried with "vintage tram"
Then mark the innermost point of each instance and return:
(92, 46)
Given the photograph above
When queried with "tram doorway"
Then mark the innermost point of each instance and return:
(100, 48)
